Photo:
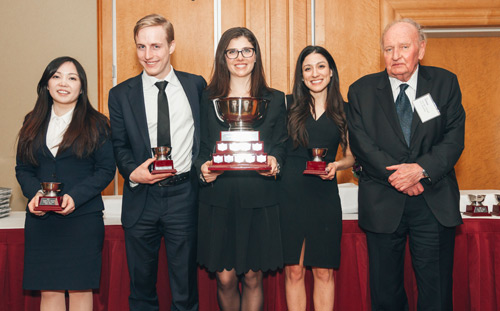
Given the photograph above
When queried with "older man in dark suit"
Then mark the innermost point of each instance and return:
(406, 129)
(158, 205)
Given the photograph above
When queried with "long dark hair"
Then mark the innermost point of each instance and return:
(303, 101)
(219, 82)
(83, 133)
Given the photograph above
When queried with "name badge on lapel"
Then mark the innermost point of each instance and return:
(426, 108)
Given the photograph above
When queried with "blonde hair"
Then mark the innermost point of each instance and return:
(155, 20)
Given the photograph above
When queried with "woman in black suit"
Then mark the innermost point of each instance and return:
(239, 235)
(64, 139)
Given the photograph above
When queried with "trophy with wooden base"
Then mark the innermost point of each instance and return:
(50, 201)
(239, 148)
(496, 207)
(163, 163)
(317, 166)
(476, 208)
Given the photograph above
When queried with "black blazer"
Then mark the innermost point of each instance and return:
(253, 190)
(377, 141)
(131, 142)
(83, 179)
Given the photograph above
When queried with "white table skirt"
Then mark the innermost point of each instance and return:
(348, 196)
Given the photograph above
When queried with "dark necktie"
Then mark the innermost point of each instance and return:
(405, 113)
(163, 135)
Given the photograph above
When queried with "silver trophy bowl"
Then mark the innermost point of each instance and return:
(162, 152)
(240, 112)
(51, 188)
(477, 199)
(318, 154)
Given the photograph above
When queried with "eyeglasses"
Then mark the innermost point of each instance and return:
(245, 52)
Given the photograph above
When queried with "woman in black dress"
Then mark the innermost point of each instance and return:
(239, 235)
(64, 139)
(311, 215)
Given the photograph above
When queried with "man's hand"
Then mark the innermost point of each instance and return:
(405, 175)
(142, 175)
(414, 190)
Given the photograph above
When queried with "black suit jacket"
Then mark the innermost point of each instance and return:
(253, 190)
(130, 135)
(82, 179)
(377, 141)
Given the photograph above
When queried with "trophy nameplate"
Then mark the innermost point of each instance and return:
(163, 163)
(317, 166)
(239, 149)
(476, 208)
(50, 201)
(496, 208)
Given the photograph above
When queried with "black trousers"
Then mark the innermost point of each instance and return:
(431, 247)
(171, 213)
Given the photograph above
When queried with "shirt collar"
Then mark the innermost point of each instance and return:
(149, 81)
(66, 118)
(412, 83)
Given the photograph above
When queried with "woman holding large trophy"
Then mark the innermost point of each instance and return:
(64, 144)
(239, 234)
(311, 219)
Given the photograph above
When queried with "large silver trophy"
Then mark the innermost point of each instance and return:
(239, 148)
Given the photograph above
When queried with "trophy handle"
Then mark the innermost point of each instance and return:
(214, 102)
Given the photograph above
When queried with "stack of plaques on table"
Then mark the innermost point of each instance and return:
(5, 201)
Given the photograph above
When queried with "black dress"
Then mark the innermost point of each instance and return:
(310, 206)
(64, 252)
(238, 223)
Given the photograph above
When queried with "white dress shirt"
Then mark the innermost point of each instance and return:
(180, 115)
(56, 129)
(411, 90)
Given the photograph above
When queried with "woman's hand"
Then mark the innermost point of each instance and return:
(273, 163)
(208, 175)
(331, 169)
(68, 205)
(34, 203)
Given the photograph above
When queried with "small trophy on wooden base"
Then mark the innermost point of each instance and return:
(163, 163)
(50, 201)
(476, 208)
(317, 166)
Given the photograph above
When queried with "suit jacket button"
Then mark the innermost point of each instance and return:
(54, 175)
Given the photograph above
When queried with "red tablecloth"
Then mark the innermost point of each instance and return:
(476, 273)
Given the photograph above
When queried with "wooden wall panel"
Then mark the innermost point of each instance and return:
(351, 35)
(449, 13)
(193, 26)
(475, 62)
(281, 27)
(105, 63)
